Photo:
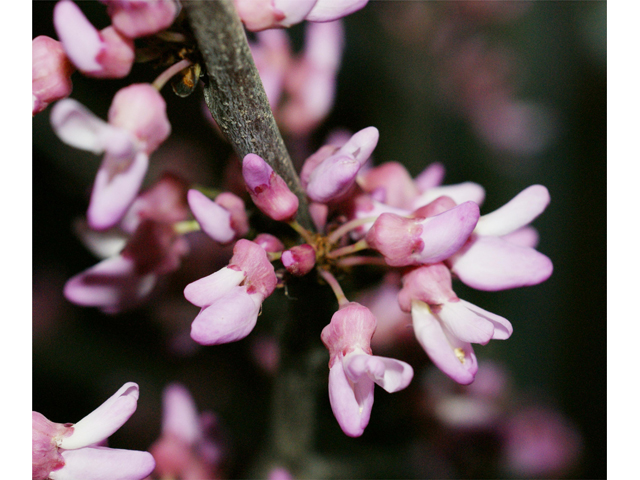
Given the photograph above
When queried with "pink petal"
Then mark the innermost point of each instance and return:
(361, 144)
(523, 237)
(137, 18)
(214, 220)
(80, 39)
(328, 10)
(77, 126)
(116, 186)
(465, 324)
(332, 178)
(518, 212)
(105, 419)
(323, 44)
(391, 374)
(207, 290)
(112, 285)
(179, 414)
(351, 408)
(502, 326)
(444, 350)
(295, 11)
(490, 263)
(229, 319)
(50, 72)
(430, 177)
(101, 463)
(460, 193)
(444, 234)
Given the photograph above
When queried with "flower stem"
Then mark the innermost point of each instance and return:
(186, 226)
(356, 247)
(335, 286)
(304, 233)
(347, 227)
(165, 76)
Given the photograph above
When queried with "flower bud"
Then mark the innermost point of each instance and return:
(299, 260)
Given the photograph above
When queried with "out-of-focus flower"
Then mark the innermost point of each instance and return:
(489, 261)
(139, 18)
(137, 125)
(268, 190)
(126, 279)
(70, 451)
(50, 73)
(353, 369)
(445, 325)
(300, 88)
(231, 297)
(187, 448)
(104, 54)
(262, 14)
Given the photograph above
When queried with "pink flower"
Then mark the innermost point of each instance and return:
(268, 190)
(262, 14)
(137, 125)
(299, 260)
(139, 18)
(231, 297)
(127, 278)
(66, 451)
(492, 259)
(186, 448)
(422, 240)
(445, 325)
(50, 73)
(353, 369)
(328, 174)
(104, 54)
(223, 219)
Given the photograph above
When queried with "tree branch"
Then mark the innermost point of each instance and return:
(234, 92)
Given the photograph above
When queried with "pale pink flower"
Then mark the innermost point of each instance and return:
(445, 325)
(50, 73)
(223, 219)
(137, 125)
(422, 240)
(187, 448)
(495, 257)
(268, 190)
(231, 297)
(353, 369)
(139, 18)
(100, 54)
(70, 451)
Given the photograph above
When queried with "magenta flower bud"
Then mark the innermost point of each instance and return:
(105, 54)
(50, 72)
(268, 190)
(141, 110)
(353, 370)
(299, 260)
(412, 241)
(269, 243)
(139, 18)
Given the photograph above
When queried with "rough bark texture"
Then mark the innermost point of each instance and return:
(234, 92)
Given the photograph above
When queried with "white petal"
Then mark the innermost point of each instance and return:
(502, 326)
(328, 10)
(77, 126)
(207, 290)
(105, 419)
(391, 374)
(465, 324)
(351, 407)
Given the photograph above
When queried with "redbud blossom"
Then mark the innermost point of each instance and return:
(411, 241)
(104, 54)
(489, 261)
(268, 190)
(139, 18)
(299, 260)
(353, 369)
(64, 452)
(231, 297)
(137, 125)
(215, 220)
(50, 73)
(445, 325)
(269, 243)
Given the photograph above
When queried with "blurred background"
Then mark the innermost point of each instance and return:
(505, 94)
